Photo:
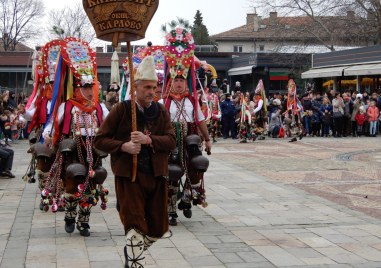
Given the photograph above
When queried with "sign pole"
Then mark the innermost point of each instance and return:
(133, 108)
(122, 19)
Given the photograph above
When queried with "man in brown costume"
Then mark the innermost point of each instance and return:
(142, 204)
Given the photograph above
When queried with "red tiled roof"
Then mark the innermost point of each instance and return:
(19, 47)
(295, 28)
(15, 58)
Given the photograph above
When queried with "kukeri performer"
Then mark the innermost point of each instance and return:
(37, 112)
(245, 120)
(181, 100)
(142, 204)
(294, 109)
(258, 109)
(72, 129)
(215, 120)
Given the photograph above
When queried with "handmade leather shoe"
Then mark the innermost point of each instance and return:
(69, 225)
(187, 213)
(83, 229)
(7, 173)
(172, 221)
(184, 205)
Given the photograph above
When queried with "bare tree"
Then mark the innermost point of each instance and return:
(71, 21)
(329, 23)
(370, 11)
(19, 21)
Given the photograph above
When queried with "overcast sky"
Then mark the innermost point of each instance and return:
(218, 15)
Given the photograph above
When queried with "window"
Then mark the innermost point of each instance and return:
(237, 49)
(261, 47)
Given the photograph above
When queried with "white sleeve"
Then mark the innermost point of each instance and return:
(30, 112)
(22, 119)
(105, 111)
(49, 130)
(201, 116)
(259, 107)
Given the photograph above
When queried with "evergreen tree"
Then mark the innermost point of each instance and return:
(199, 30)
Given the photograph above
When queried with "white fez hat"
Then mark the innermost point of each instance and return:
(146, 70)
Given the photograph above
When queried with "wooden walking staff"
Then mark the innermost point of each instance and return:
(133, 107)
(122, 20)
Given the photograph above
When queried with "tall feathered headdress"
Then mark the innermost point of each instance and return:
(260, 90)
(76, 67)
(291, 98)
(157, 52)
(180, 61)
(46, 66)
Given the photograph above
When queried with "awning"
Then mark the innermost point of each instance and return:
(324, 72)
(241, 70)
(364, 69)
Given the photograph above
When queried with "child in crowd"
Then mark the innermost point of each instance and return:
(23, 125)
(14, 124)
(360, 120)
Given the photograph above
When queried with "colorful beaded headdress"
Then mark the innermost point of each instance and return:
(180, 62)
(45, 65)
(179, 52)
(140, 53)
(81, 60)
(260, 90)
(260, 87)
(50, 54)
(291, 98)
(76, 67)
(291, 86)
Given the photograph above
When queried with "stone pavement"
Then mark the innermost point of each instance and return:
(256, 216)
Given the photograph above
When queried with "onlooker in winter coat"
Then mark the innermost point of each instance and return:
(338, 114)
(373, 114)
(360, 120)
(356, 105)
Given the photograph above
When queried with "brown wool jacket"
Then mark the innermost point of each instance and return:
(116, 130)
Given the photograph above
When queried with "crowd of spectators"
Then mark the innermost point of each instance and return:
(331, 114)
(13, 126)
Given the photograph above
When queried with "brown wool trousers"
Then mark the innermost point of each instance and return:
(143, 204)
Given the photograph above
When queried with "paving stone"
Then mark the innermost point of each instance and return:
(278, 256)
(12, 263)
(102, 264)
(282, 217)
(102, 254)
(228, 258)
(203, 261)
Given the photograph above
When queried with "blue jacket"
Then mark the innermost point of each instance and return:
(227, 108)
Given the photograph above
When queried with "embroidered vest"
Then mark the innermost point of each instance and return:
(68, 117)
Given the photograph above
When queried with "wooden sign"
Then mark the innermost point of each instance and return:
(115, 20)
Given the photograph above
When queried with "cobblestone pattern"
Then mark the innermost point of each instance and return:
(346, 171)
(257, 217)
